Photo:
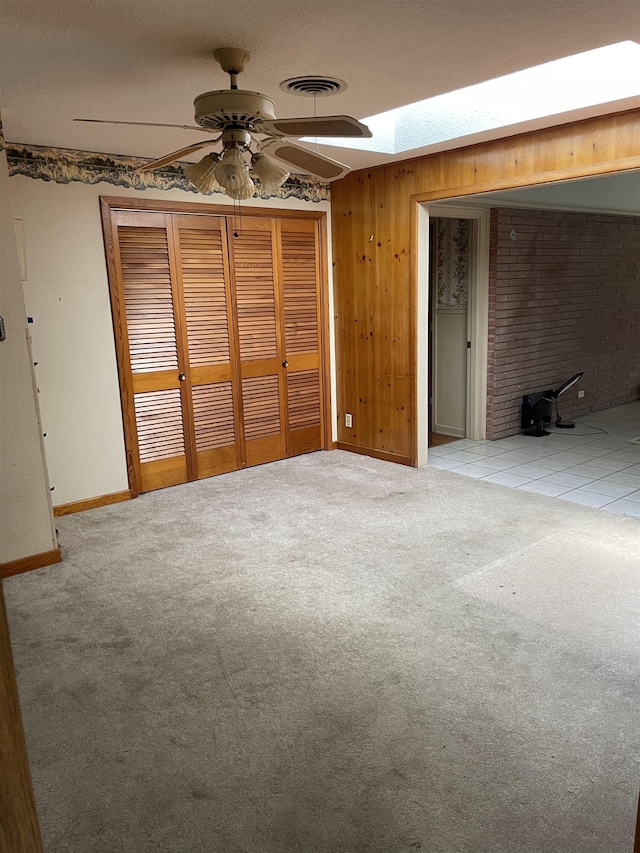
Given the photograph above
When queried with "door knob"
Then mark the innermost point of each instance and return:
(285, 364)
(182, 376)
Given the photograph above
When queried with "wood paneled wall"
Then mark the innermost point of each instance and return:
(374, 224)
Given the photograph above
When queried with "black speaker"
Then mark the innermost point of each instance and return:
(536, 412)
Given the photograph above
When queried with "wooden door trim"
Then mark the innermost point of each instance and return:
(19, 829)
(182, 348)
(163, 206)
(121, 338)
(324, 329)
(455, 195)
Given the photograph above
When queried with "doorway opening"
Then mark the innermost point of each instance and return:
(453, 296)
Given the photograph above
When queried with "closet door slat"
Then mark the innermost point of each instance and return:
(146, 280)
(255, 298)
(301, 321)
(258, 306)
(148, 296)
(203, 272)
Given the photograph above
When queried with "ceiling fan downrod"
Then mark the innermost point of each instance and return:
(232, 60)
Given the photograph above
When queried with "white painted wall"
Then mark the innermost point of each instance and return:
(67, 295)
(26, 523)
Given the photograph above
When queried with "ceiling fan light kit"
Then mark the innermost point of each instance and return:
(269, 173)
(232, 173)
(247, 118)
(202, 174)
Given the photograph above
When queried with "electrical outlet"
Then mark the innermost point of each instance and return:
(348, 420)
(580, 394)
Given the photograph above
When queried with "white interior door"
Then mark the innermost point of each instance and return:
(451, 279)
(450, 380)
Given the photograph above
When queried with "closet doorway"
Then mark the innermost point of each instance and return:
(220, 329)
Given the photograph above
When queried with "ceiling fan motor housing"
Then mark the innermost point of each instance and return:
(217, 110)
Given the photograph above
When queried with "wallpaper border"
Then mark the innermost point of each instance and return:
(64, 166)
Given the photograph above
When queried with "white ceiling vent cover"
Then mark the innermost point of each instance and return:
(312, 86)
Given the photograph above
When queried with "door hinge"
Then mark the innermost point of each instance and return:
(468, 344)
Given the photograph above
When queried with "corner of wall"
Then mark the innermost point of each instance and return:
(26, 519)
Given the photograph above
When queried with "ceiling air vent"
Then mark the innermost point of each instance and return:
(313, 86)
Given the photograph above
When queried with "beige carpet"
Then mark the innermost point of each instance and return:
(334, 654)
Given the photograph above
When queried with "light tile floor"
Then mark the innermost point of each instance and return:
(579, 465)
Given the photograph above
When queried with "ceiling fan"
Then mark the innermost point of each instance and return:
(245, 119)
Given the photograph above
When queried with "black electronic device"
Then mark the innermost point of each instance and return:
(537, 409)
(536, 412)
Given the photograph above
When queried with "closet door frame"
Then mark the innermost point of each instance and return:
(109, 207)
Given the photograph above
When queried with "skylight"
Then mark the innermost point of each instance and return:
(588, 79)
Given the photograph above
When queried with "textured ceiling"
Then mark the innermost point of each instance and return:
(145, 60)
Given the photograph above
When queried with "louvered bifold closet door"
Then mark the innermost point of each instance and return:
(257, 303)
(300, 319)
(211, 383)
(147, 291)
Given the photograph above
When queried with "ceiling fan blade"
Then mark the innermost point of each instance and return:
(314, 126)
(175, 155)
(144, 124)
(304, 160)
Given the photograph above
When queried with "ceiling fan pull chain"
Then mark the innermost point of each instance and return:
(237, 217)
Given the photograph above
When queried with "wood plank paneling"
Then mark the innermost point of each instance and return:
(375, 271)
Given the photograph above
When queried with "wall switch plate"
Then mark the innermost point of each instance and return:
(580, 394)
(348, 420)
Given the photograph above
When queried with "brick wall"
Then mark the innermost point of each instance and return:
(564, 296)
